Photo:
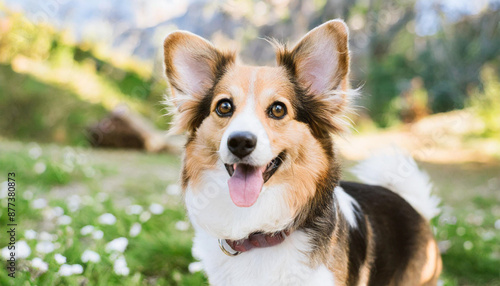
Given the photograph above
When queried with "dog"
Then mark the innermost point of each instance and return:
(261, 178)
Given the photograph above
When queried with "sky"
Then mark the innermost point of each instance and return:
(121, 23)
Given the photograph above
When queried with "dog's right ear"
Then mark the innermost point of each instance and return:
(193, 66)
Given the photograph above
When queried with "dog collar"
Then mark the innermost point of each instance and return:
(254, 240)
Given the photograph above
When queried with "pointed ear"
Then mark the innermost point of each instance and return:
(193, 67)
(319, 64)
(320, 61)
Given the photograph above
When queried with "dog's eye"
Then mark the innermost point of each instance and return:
(224, 108)
(277, 110)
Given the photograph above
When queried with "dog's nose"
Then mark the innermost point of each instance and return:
(241, 143)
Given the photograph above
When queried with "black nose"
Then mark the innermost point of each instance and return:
(241, 143)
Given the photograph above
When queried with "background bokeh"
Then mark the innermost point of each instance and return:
(76, 74)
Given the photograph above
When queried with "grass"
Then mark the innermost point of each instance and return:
(23, 94)
(86, 183)
(98, 181)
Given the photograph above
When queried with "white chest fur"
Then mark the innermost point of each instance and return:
(210, 207)
(283, 264)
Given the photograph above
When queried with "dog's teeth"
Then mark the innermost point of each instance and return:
(230, 169)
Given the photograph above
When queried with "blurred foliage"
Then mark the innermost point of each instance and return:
(382, 83)
(451, 62)
(51, 88)
(486, 102)
(448, 62)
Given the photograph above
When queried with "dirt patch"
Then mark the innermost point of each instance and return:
(440, 138)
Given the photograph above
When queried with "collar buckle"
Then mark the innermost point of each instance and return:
(225, 251)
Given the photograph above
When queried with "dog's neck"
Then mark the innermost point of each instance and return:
(319, 217)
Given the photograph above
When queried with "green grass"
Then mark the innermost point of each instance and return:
(56, 114)
(159, 255)
(109, 181)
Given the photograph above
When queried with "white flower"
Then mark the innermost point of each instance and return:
(64, 220)
(22, 249)
(74, 203)
(92, 256)
(182, 225)
(117, 244)
(39, 264)
(97, 234)
(4, 190)
(120, 266)
(45, 247)
(497, 224)
(45, 236)
(488, 235)
(58, 211)
(145, 216)
(77, 268)
(88, 229)
(156, 209)
(5, 253)
(195, 267)
(39, 203)
(30, 234)
(134, 209)
(107, 218)
(68, 270)
(35, 151)
(40, 167)
(60, 259)
(174, 190)
(135, 229)
(65, 270)
(48, 214)
(468, 245)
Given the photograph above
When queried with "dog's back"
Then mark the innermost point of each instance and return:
(397, 205)
(401, 247)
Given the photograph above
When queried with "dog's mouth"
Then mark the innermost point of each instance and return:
(271, 168)
(246, 181)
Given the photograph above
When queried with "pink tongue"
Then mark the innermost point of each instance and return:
(245, 185)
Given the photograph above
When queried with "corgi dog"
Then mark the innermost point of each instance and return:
(261, 178)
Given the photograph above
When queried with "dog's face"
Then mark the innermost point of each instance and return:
(259, 135)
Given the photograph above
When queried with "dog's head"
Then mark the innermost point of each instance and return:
(257, 130)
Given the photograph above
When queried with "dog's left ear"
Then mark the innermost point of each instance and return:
(319, 64)
(320, 61)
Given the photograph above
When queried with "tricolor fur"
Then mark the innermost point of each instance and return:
(260, 158)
